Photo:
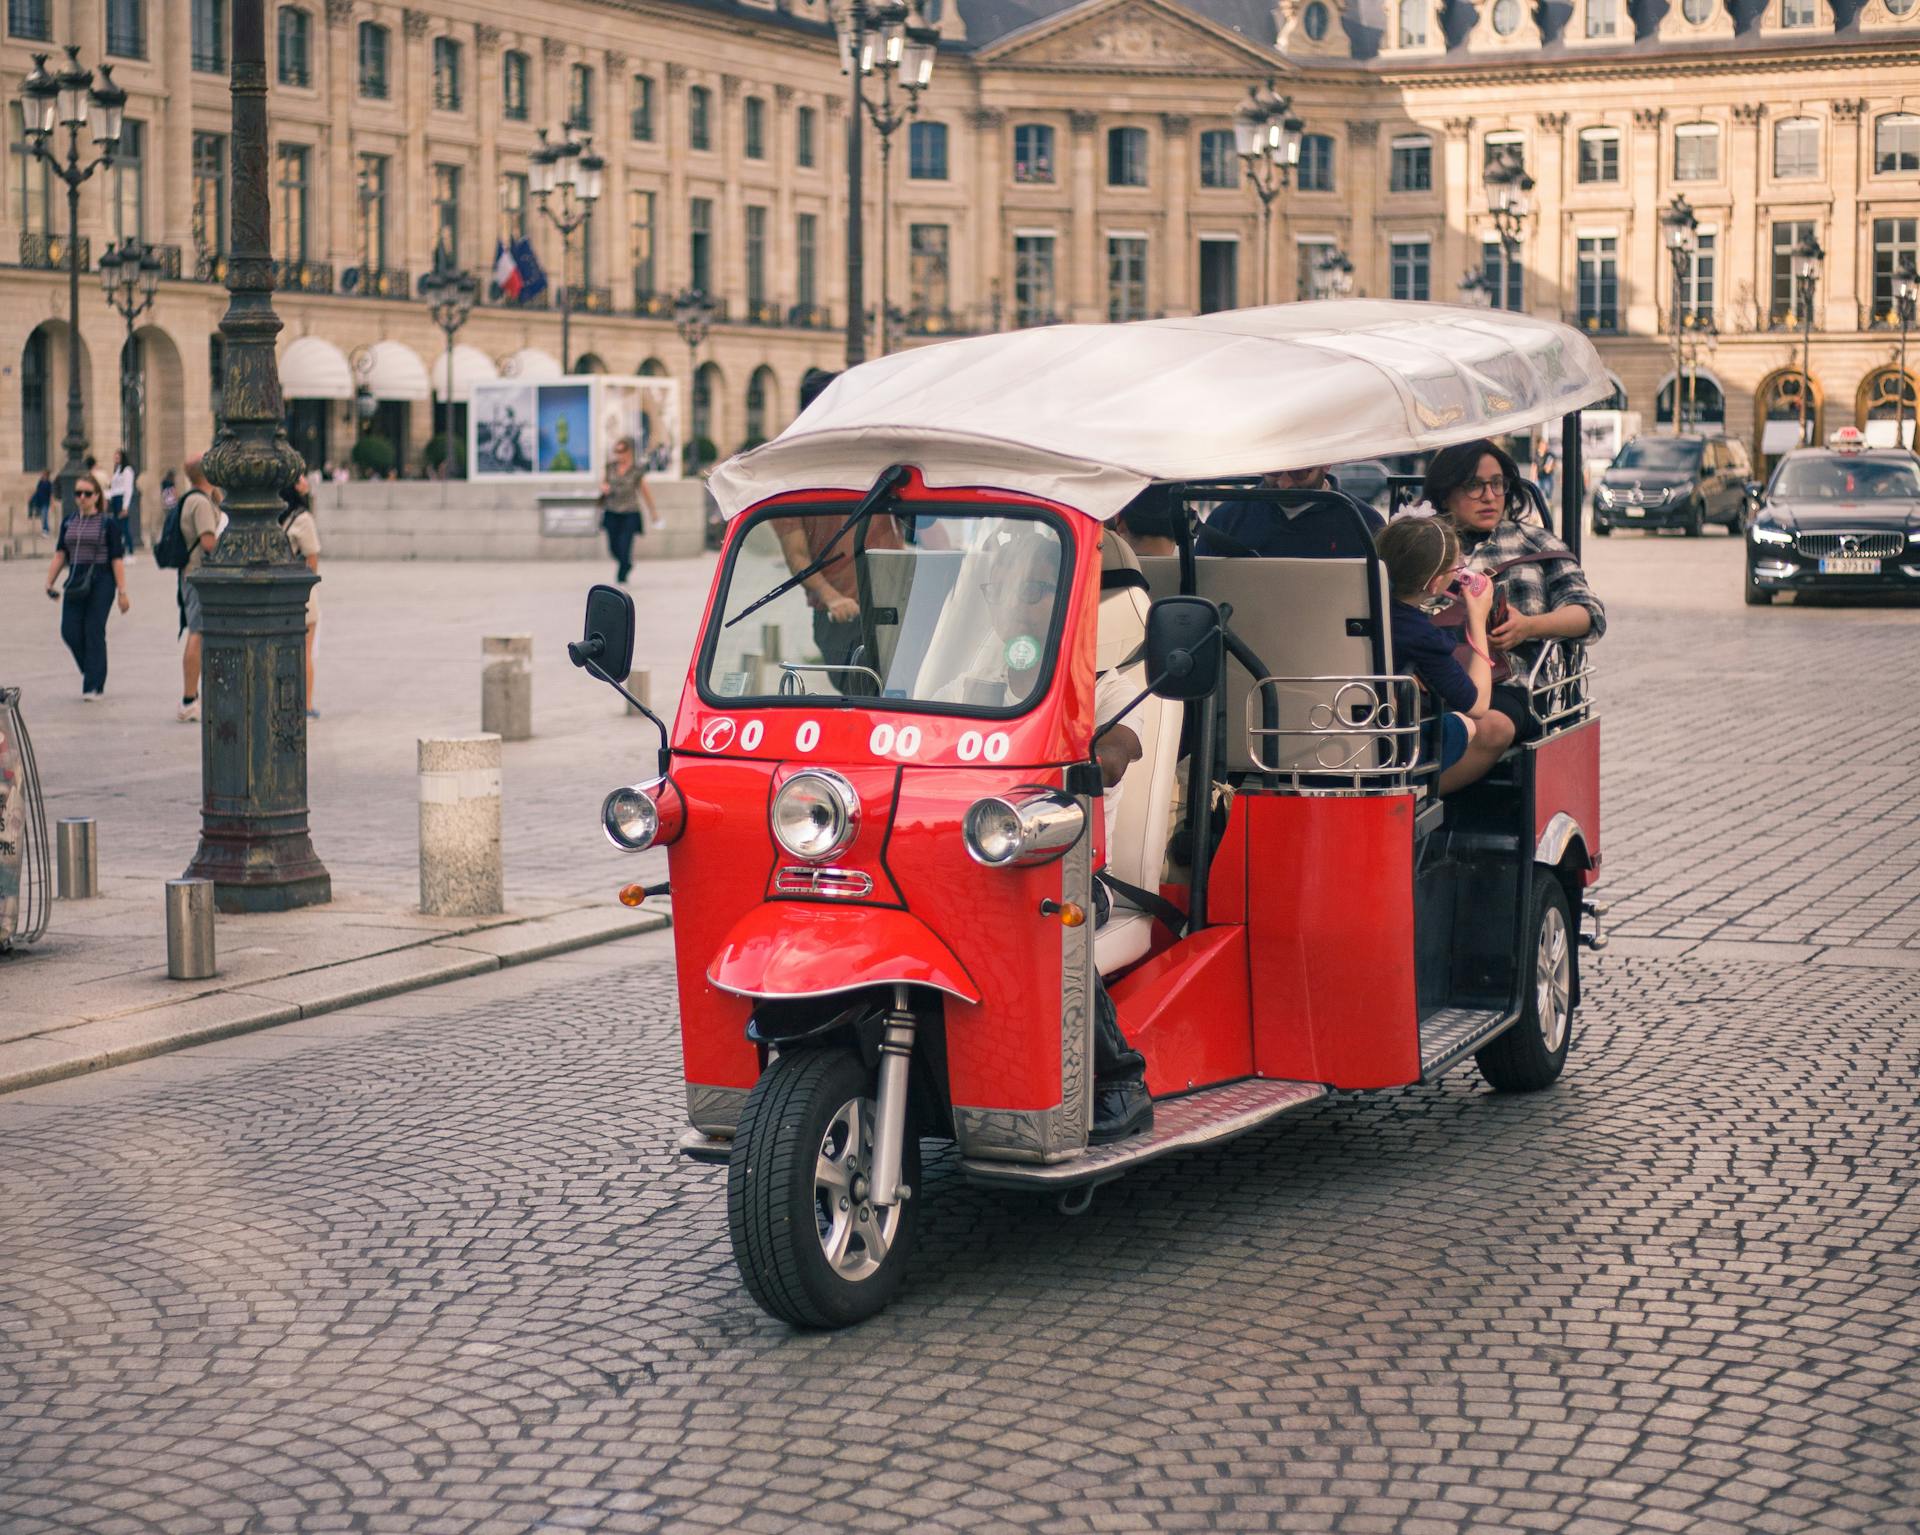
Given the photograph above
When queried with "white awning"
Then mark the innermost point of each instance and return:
(1088, 415)
(470, 366)
(1777, 436)
(312, 369)
(394, 372)
(531, 365)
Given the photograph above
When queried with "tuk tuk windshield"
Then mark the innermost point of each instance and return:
(958, 608)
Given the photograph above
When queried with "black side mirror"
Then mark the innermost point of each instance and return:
(1754, 488)
(1186, 647)
(608, 640)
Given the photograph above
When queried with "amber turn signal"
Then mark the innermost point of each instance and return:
(632, 895)
(1070, 913)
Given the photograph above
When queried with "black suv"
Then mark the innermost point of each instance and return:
(1680, 482)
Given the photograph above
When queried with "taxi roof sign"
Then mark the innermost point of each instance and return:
(1847, 439)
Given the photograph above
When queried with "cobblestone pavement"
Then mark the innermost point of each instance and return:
(430, 1265)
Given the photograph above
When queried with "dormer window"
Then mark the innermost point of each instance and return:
(1315, 20)
(1413, 23)
(1799, 13)
(1696, 11)
(1506, 17)
(1603, 18)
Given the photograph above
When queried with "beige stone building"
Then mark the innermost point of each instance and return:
(1068, 162)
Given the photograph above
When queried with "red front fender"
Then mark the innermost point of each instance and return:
(791, 949)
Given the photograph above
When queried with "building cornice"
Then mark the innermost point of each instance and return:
(1532, 70)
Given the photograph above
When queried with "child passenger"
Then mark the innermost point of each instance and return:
(1422, 557)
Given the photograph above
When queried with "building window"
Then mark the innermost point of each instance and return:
(580, 98)
(1603, 17)
(513, 206)
(210, 36)
(1033, 280)
(127, 28)
(641, 118)
(1315, 20)
(699, 118)
(1033, 154)
(1126, 278)
(446, 213)
(1126, 157)
(34, 378)
(756, 257)
(295, 51)
(927, 152)
(1893, 242)
(700, 243)
(806, 256)
(640, 242)
(291, 166)
(1697, 282)
(927, 273)
(1504, 276)
(1697, 11)
(755, 125)
(446, 74)
(1696, 152)
(129, 187)
(1219, 165)
(1599, 282)
(373, 60)
(30, 20)
(34, 178)
(1315, 173)
(1600, 155)
(758, 388)
(1896, 143)
(1796, 148)
(514, 66)
(805, 127)
(1412, 166)
(1219, 275)
(1411, 270)
(1786, 235)
(1413, 23)
(1798, 13)
(371, 186)
(210, 194)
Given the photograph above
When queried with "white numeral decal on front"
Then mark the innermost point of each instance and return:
(970, 744)
(750, 734)
(997, 746)
(807, 736)
(881, 741)
(908, 741)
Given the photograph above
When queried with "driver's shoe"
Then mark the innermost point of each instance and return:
(1120, 1109)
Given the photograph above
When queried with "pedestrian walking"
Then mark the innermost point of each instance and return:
(40, 503)
(622, 494)
(169, 495)
(120, 491)
(304, 534)
(200, 522)
(91, 553)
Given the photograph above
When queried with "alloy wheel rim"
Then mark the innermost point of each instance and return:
(1553, 979)
(855, 1234)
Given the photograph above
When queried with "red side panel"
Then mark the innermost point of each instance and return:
(1227, 879)
(807, 949)
(1566, 777)
(1186, 1010)
(1330, 939)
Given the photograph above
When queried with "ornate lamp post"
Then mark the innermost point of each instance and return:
(1509, 204)
(1266, 136)
(450, 295)
(1807, 256)
(571, 169)
(63, 99)
(1906, 294)
(882, 36)
(254, 843)
(1331, 275)
(1681, 230)
(693, 318)
(1701, 340)
(129, 276)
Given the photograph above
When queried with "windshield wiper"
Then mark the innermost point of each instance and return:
(883, 487)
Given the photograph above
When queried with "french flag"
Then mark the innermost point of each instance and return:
(506, 274)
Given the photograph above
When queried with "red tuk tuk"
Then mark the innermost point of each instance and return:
(883, 825)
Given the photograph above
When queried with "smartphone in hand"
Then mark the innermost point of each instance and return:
(1497, 614)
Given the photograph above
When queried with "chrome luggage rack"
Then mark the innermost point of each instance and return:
(1558, 685)
(1339, 735)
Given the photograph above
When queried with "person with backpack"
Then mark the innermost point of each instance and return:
(91, 553)
(195, 528)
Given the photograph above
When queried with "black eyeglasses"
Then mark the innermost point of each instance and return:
(91, 495)
(1496, 486)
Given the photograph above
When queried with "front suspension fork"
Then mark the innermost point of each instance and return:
(890, 1113)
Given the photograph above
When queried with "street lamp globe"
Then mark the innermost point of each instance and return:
(72, 83)
(1250, 127)
(890, 21)
(110, 102)
(1680, 226)
(39, 98)
(588, 171)
(110, 272)
(1807, 256)
(1286, 135)
(540, 168)
(916, 58)
(1906, 290)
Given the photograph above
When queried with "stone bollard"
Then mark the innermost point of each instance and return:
(640, 684)
(506, 686)
(460, 874)
(770, 641)
(76, 868)
(189, 929)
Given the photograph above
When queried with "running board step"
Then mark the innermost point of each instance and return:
(1205, 1118)
(698, 1146)
(1451, 1034)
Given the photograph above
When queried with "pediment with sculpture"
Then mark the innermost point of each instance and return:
(1128, 36)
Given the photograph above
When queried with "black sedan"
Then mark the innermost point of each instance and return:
(1837, 522)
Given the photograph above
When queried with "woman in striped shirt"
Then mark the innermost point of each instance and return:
(93, 553)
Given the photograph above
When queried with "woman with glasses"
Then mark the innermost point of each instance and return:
(1476, 486)
(93, 553)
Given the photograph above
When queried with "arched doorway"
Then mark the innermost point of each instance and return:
(762, 390)
(1703, 403)
(161, 439)
(1787, 413)
(1884, 408)
(43, 396)
(708, 423)
(589, 362)
(1615, 401)
(653, 367)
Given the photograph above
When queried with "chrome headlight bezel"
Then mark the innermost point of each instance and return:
(630, 818)
(1025, 826)
(841, 802)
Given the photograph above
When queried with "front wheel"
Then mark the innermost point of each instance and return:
(1602, 529)
(811, 1246)
(1696, 522)
(1530, 1055)
(1757, 596)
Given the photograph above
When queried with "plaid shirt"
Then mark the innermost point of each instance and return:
(1534, 589)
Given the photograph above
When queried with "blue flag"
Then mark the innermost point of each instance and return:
(533, 280)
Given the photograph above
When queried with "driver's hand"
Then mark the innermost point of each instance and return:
(842, 609)
(1117, 748)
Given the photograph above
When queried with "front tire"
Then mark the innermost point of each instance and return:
(1696, 522)
(1602, 529)
(812, 1250)
(1757, 596)
(1531, 1054)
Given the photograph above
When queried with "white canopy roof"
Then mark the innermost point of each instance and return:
(393, 371)
(532, 365)
(470, 366)
(1089, 415)
(312, 369)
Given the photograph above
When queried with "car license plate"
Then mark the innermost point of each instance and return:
(1849, 565)
(1635, 511)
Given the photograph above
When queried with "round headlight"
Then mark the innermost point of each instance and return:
(815, 814)
(1028, 825)
(992, 831)
(631, 818)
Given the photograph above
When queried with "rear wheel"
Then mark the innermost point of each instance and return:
(1530, 1055)
(1696, 522)
(812, 1247)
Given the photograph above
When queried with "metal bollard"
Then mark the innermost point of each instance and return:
(76, 868)
(640, 684)
(460, 869)
(506, 686)
(189, 929)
